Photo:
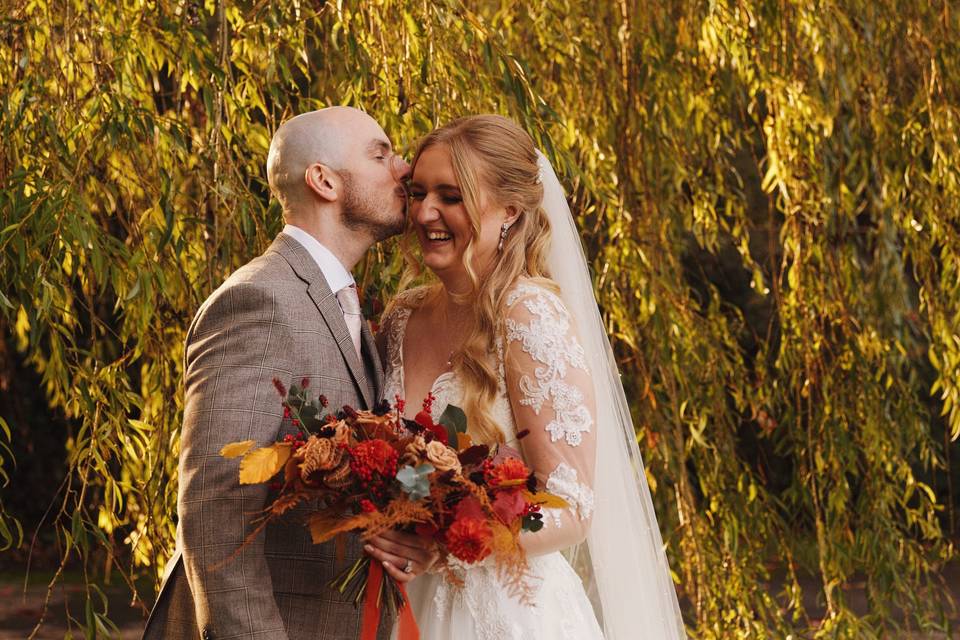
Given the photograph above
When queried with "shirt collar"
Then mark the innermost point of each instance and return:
(334, 272)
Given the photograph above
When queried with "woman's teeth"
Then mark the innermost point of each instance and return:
(439, 235)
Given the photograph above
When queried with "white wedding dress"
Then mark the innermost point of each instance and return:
(545, 383)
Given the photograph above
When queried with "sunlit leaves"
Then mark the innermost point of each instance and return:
(11, 531)
(767, 193)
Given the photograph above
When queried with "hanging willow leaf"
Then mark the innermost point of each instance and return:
(766, 193)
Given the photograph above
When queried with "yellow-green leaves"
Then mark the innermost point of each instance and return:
(766, 192)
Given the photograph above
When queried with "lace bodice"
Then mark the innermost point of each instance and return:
(544, 391)
(446, 389)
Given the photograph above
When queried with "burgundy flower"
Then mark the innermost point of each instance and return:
(509, 506)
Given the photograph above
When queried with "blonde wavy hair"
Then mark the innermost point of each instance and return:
(493, 157)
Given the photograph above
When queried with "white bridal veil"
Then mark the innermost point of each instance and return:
(623, 563)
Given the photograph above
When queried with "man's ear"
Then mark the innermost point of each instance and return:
(322, 181)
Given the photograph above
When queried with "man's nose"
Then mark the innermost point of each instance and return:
(401, 168)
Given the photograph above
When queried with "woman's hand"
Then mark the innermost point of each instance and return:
(398, 551)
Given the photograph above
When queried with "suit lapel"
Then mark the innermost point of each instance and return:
(326, 302)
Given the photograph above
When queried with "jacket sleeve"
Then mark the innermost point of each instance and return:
(238, 343)
(551, 394)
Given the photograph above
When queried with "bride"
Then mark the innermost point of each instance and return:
(510, 332)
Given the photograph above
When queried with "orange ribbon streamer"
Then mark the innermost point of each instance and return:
(407, 626)
(371, 602)
(407, 629)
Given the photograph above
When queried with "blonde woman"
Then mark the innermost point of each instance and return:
(510, 332)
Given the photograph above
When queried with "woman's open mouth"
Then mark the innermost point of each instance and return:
(438, 236)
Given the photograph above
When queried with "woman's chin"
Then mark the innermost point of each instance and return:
(438, 259)
(435, 262)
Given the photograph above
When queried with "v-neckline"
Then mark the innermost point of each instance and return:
(403, 366)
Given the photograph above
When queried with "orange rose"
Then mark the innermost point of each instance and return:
(442, 457)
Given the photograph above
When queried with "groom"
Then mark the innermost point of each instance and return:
(291, 313)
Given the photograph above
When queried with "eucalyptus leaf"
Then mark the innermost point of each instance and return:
(415, 482)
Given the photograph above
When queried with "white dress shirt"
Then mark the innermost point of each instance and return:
(333, 270)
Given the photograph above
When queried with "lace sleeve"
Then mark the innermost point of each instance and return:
(551, 395)
(385, 333)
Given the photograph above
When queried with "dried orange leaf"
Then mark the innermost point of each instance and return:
(291, 470)
(260, 465)
(464, 441)
(324, 526)
(236, 449)
(547, 500)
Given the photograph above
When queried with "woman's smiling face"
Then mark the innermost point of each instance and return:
(442, 222)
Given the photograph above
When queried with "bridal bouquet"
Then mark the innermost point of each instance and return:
(376, 470)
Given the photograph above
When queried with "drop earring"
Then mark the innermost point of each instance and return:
(503, 235)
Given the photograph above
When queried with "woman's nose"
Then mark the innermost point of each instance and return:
(425, 211)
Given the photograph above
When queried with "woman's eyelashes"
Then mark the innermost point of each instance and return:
(451, 199)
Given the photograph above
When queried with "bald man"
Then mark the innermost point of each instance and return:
(292, 313)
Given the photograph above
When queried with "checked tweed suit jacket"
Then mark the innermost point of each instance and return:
(274, 318)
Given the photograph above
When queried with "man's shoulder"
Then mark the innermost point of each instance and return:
(267, 281)
(270, 269)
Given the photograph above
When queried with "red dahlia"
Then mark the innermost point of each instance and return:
(469, 539)
(510, 470)
(373, 456)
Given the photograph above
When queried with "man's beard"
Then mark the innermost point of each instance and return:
(361, 212)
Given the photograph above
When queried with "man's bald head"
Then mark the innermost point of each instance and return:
(323, 136)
